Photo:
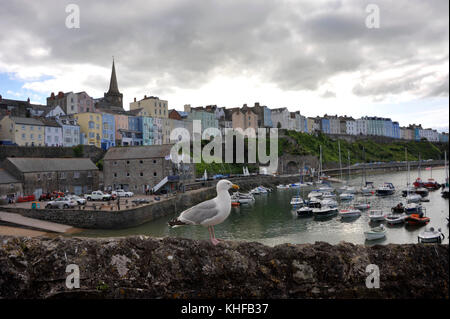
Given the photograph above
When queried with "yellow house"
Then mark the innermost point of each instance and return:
(90, 128)
(23, 131)
(151, 106)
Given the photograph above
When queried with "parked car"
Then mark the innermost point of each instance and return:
(98, 195)
(122, 193)
(51, 196)
(78, 199)
(61, 202)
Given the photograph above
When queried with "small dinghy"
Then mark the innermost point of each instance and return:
(399, 208)
(376, 216)
(417, 220)
(431, 236)
(296, 200)
(305, 212)
(376, 233)
(349, 213)
(315, 194)
(346, 196)
(395, 219)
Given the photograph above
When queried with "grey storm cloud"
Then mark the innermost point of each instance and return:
(297, 45)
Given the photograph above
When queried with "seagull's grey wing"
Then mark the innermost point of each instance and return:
(199, 213)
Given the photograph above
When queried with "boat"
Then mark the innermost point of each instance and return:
(281, 186)
(349, 213)
(444, 192)
(368, 189)
(413, 208)
(235, 204)
(385, 189)
(362, 206)
(395, 219)
(418, 183)
(376, 233)
(305, 212)
(297, 200)
(408, 190)
(413, 198)
(376, 216)
(417, 219)
(431, 236)
(346, 196)
(328, 202)
(422, 191)
(424, 200)
(324, 211)
(327, 188)
(328, 195)
(431, 184)
(313, 203)
(314, 194)
(242, 198)
(399, 208)
(255, 191)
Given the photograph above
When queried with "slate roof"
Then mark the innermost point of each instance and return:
(26, 120)
(5, 178)
(35, 164)
(133, 152)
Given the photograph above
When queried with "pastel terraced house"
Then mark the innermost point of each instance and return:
(90, 128)
(23, 131)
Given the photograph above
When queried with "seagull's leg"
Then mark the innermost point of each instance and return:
(214, 241)
(214, 235)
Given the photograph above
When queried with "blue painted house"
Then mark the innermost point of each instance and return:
(325, 126)
(108, 131)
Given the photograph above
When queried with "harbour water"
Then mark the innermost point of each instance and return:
(270, 219)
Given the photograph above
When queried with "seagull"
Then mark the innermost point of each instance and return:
(210, 212)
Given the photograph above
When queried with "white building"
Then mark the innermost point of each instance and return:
(350, 125)
(53, 132)
(70, 131)
(430, 134)
(361, 126)
(281, 118)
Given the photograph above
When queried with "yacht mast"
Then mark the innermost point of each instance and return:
(340, 162)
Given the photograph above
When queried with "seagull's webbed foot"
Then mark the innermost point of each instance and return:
(214, 241)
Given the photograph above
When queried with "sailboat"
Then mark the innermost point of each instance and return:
(368, 188)
(411, 196)
(297, 200)
(444, 192)
(347, 190)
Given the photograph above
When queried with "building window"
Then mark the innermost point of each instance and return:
(115, 174)
(142, 174)
(154, 174)
(76, 175)
(128, 162)
(38, 176)
(154, 161)
(62, 175)
(128, 174)
(115, 162)
(89, 174)
(141, 161)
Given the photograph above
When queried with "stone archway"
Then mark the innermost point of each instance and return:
(292, 167)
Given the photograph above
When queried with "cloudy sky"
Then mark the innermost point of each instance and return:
(314, 56)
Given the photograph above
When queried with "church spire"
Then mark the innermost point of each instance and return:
(113, 87)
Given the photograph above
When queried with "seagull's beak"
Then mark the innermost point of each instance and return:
(235, 186)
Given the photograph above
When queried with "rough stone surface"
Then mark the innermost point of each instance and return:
(143, 267)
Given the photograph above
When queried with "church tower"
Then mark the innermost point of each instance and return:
(113, 99)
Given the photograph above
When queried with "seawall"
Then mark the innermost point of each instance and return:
(143, 267)
(131, 217)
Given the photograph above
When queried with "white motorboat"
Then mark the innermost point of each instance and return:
(376, 215)
(281, 186)
(431, 236)
(413, 208)
(368, 190)
(314, 203)
(328, 195)
(324, 211)
(242, 198)
(395, 219)
(349, 213)
(413, 198)
(346, 196)
(347, 189)
(376, 233)
(326, 188)
(362, 205)
(314, 194)
(328, 202)
(255, 191)
(297, 200)
(305, 212)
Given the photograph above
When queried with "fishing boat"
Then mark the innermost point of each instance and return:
(325, 211)
(349, 213)
(431, 236)
(413, 208)
(346, 196)
(399, 208)
(376, 233)
(376, 216)
(305, 212)
(395, 219)
(328, 202)
(385, 189)
(297, 200)
(417, 220)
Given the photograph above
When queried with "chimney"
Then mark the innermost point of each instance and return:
(256, 103)
(0, 97)
(28, 100)
(134, 99)
(145, 96)
(245, 105)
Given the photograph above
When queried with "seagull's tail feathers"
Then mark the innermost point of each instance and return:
(176, 223)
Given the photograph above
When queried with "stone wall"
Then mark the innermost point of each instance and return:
(89, 151)
(143, 267)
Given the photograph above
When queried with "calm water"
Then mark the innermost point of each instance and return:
(271, 220)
